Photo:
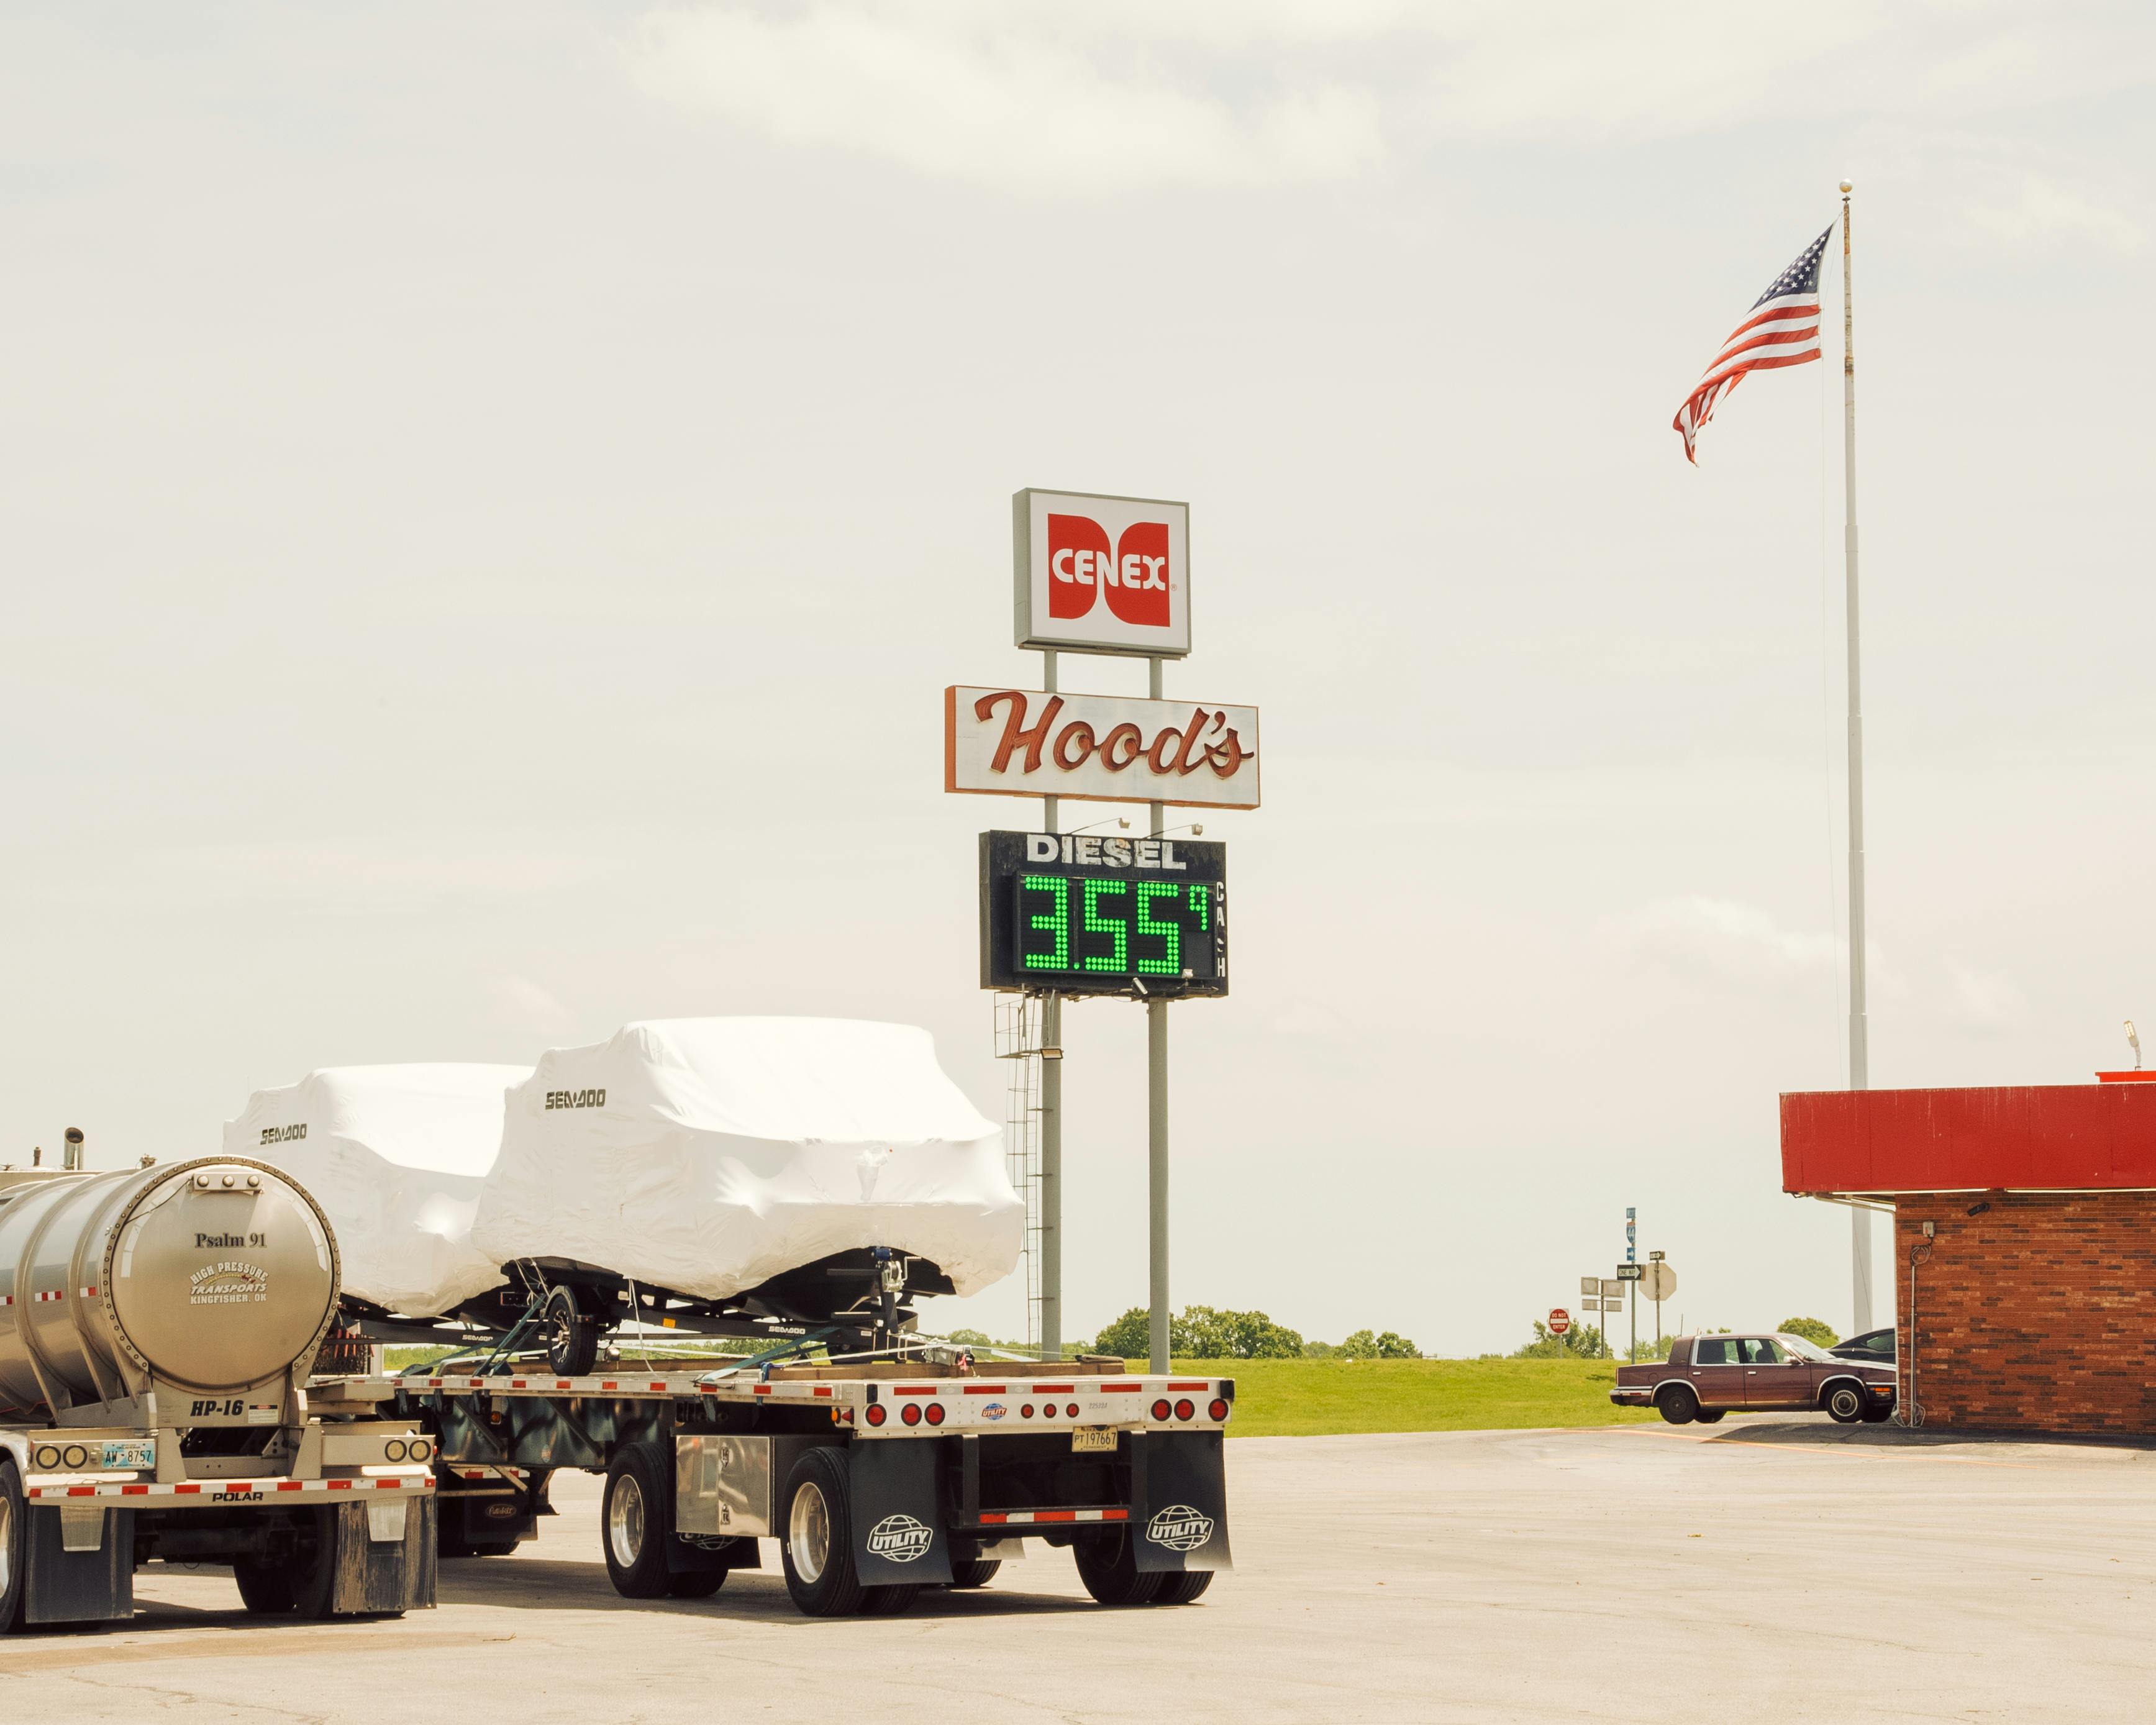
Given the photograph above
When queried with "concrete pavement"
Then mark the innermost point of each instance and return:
(1763, 1570)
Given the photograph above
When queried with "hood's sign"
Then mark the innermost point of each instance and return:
(1099, 747)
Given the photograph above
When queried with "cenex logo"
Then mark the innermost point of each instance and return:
(1179, 1528)
(1135, 574)
(900, 1538)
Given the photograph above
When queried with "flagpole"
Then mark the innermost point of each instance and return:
(1859, 1077)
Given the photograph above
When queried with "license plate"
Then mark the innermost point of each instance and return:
(1094, 1437)
(130, 1453)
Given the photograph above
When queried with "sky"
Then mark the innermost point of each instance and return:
(490, 497)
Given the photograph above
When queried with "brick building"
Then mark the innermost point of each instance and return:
(2031, 1303)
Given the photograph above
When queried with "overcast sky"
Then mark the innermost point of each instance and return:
(490, 496)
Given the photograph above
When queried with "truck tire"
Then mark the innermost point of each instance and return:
(977, 1574)
(889, 1600)
(1844, 1404)
(636, 1519)
(1182, 1589)
(572, 1338)
(301, 1581)
(1109, 1567)
(1679, 1405)
(818, 1544)
(14, 1548)
(696, 1583)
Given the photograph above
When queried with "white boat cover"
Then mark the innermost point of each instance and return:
(395, 1155)
(708, 1155)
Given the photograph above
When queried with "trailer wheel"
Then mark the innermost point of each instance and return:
(14, 1548)
(1109, 1567)
(977, 1574)
(300, 1581)
(1182, 1589)
(696, 1583)
(572, 1339)
(636, 1519)
(820, 1536)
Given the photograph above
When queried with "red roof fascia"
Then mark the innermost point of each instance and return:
(2027, 1138)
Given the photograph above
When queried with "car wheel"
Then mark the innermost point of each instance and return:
(1710, 1416)
(1679, 1406)
(1844, 1403)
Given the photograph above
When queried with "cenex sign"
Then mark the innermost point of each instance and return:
(1099, 574)
(1100, 747)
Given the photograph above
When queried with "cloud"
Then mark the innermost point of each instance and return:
(2038, 208)
(1719, 940)
(533, 1005)
(1001, 100)
(1986, 1000)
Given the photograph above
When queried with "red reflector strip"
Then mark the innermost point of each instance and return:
(986, 1389)
(90, 1293)
(561, 1384)
(82, 1490)
(518, 1383)
(478, 1383)
(608, 1383)
(187, 1491)
(340, 1485)
(660, 1387)
(763, 1389)
(1055, 1389)
(913, 1390)
(134, 1490)
(821, 1389)
(289, 1485)
(1195, 1384)
(1030, 1517)
(1121, 1388)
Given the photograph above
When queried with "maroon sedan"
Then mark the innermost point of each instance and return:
(1706, 1376)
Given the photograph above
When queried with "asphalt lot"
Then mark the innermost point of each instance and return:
(1765, 1570)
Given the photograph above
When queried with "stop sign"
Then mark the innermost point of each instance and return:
(1560, 1321)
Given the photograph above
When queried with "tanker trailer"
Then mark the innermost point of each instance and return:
(156, 1328)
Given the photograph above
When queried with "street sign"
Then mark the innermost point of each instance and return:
(1659, 1283)
(1560, 1321)
(1630, 1272)
(1143, 917)
(1099, 748)
(1612, 1304)
(1589, 1287)
(1102, 574)
(1609, 1289)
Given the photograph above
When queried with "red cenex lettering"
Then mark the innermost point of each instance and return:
(1134, 575)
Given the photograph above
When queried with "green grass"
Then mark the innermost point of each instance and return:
(1308, 1398)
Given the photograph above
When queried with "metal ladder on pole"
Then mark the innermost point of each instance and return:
(1018, 1041)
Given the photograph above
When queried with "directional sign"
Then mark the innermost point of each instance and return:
(1560, 1321)
(1630, 1272)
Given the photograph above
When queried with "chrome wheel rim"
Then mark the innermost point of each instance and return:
(808, 1533)
(625, 1520)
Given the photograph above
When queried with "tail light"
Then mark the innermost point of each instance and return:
(1072, 1410)
(876, 1414)
(1216, 1409)
(1026, 1412)
(420, 1449)
(936, 1413)
(394, 1449)
(1160, 1411)
(1183, 1410)
(911, 1413)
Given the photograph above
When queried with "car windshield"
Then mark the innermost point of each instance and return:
(1803, 1349)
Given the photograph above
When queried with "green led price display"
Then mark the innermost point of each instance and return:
(1082, 913)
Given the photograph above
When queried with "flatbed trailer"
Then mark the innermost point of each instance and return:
(878, 1479)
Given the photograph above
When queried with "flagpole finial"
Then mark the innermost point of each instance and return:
(1846, 187)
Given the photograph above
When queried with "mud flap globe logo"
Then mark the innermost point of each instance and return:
(901, 1539)
(1179, 1528)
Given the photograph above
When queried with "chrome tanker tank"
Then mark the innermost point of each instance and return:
(202, 1284)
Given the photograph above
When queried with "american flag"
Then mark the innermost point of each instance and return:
(1781, 329)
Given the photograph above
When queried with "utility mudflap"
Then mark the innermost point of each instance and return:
(899, 1535)
(80, 1564)
(386, 1554)
(1179, 1501)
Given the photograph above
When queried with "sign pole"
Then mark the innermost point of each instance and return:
(1157, 1129)
(1051, 1125)
(1859, 1075)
